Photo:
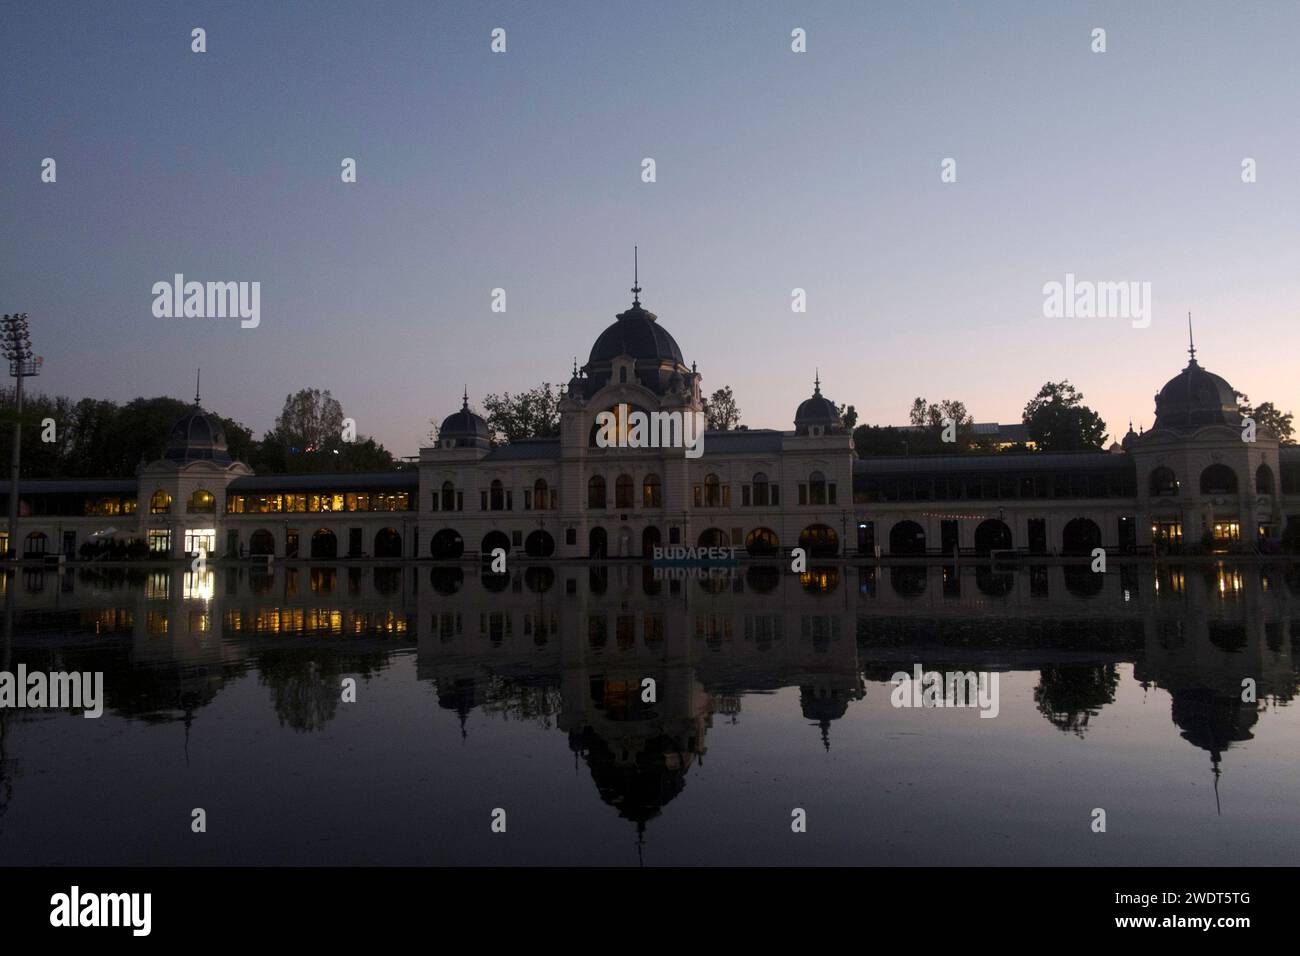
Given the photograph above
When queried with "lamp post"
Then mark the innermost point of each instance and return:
(17, 346)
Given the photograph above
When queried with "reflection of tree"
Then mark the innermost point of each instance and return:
(523, 700)
(1069, 695)
(306, 689)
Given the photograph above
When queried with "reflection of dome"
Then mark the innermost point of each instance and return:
(1212, 721)
(1194, 398)
(637, 333)
(817, 412)
(464, 428)
(638, 790)
(197, 436)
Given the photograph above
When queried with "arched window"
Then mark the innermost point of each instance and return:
(762, 541)
(1263, 480)
(1218, 479)
(497, 496)
(816, 488)
(541, 500)
(712, 491)
(202, 502)
(1163, 483)
(160, 503)
(652, 492)
(448, 496)
(623, 497)
(596, 492)
(761, 497)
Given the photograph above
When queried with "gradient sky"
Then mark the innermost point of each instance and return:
(775, 170)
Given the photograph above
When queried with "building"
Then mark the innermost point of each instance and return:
(1190, 478)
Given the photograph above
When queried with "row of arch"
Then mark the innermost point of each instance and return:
(818, 540)
(1216, 479)
(325, 543)
(1079, 536)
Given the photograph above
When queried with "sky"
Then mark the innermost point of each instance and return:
(774, 170)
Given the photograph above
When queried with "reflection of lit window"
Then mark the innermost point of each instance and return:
(199, 585)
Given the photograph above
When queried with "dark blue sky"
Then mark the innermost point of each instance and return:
(775, 170)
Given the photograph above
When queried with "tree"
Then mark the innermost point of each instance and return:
(308, 437)
(849, 416)
(531, 414)
(1058, 420)
(311, 420)
(919, 412)
(1266, 415)
(720, 411)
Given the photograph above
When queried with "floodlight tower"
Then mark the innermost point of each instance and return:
(16, 344)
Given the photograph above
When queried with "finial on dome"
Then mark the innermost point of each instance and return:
(198, 377)
(636, 280)
(1191, 344)
(817, 382)
(464, 402)
(575, 366)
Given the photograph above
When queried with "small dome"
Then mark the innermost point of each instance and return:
(197, 436)
(1194, 398)
(465, 428)
(817, 411)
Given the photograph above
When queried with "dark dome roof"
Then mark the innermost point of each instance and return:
(1194, 398)
(636, 333)
(466, 428)
(197, 436)
(817, 410)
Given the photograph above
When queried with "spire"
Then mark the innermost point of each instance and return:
(636, 280)
(817, 382)
(1191, 344)
(198, 377)
(464, 402)
(575, 366)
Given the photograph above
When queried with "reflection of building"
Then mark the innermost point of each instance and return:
(1189, 478)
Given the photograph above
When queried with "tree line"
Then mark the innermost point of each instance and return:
(98, 438)
(1055, 419)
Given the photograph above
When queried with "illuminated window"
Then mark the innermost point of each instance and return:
(160, 541)
(160, 503)
(202, 502)
(652, 492)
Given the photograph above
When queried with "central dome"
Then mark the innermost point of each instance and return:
(1194, 398)
(637, 333)
(197, 436)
